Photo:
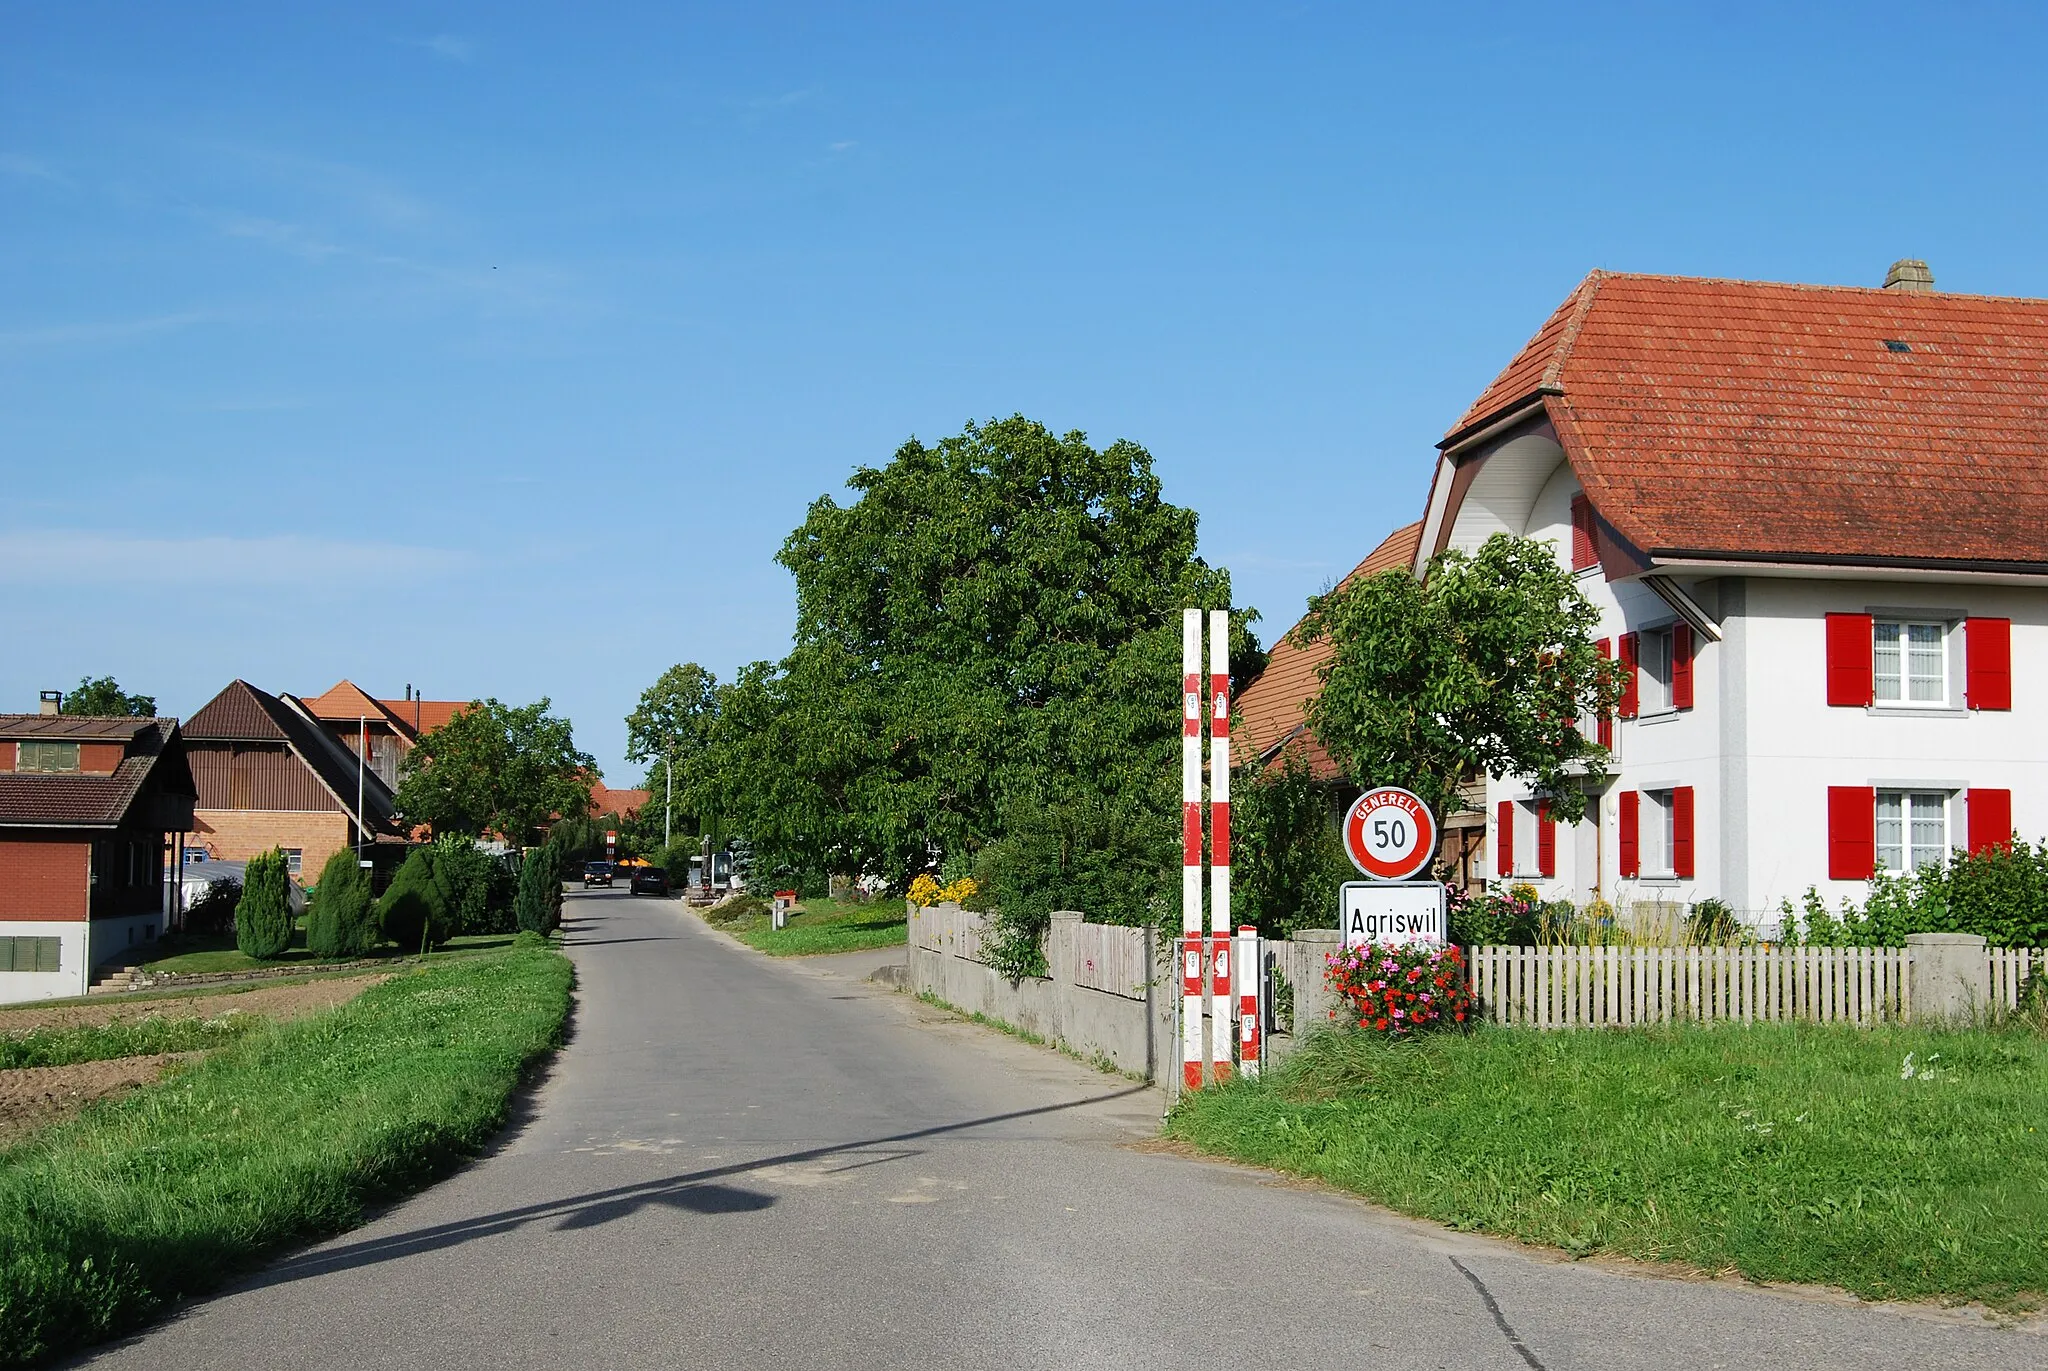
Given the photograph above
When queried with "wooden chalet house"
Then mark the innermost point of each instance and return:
(270, 774)
(87, 806)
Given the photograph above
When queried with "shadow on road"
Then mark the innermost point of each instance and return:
(694, 1192)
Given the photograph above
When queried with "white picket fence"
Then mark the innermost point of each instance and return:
(1574, 987)
(2010, 967)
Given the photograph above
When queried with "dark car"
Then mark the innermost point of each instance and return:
(650, 880)
(596, 873)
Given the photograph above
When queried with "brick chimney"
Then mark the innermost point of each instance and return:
(1909, 273)
(51, 703)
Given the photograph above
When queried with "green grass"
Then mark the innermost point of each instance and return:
(1782, 1152)
(211, 954)
(818, 927)
(286, 1135)
(1099, 1061)
(135, 1038)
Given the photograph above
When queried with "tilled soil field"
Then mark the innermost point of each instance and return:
(35, 1096)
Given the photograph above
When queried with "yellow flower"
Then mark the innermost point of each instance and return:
(924, 891)
(960, 891)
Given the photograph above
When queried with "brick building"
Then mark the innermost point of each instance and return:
(86, 808)
(270, 774)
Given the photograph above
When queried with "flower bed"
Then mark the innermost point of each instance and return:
(1402, 989)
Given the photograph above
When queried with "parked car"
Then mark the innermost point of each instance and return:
(596, 873)
(650, 880)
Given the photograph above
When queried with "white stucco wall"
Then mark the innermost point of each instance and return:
(73, 970)
(1761, 746)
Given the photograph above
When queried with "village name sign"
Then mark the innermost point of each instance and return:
(1391, 837)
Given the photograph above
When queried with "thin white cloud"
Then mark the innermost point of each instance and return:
(23, 340)
(28, 168)
(288, 561)
(452, 47)
(845, 146)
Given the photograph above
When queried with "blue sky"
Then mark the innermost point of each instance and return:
(496, 348)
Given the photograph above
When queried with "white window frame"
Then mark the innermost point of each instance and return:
(1911, 804)
(294, 859)
(1653, 671)
(1657, 833)
(1527, 826)
(1902, 680)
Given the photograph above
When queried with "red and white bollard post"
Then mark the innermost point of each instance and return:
(1219, 834)
(1250, 1022)
(1193, 1041)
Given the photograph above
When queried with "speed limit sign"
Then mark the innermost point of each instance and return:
(1389, 834)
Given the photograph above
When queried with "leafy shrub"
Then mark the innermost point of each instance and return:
(478, 887)
(343, 919)
(1107, 858)
(214, 911)
(1713, 924)
(538, 904)
(263, 919)
(734, 911)
(415, 911)
(1287, 860)
(1402, 990)
(2000, 894)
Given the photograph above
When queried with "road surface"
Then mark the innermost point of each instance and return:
(738, 1162)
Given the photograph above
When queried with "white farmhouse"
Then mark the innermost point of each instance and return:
(1815, 521)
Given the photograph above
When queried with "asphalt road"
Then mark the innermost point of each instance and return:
(744, 1163)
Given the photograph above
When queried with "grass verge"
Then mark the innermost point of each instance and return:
(819, 927)
(283, 1136)
(1783, 1152)
(135, 1038)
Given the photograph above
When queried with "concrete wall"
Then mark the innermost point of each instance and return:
(1133, 1033)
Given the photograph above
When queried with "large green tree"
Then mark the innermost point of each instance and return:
(1485, 664)
(496, 768)
(669, 730)
(992, 623)
(103, 697)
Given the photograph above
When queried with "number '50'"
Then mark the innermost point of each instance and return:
(1389, 833)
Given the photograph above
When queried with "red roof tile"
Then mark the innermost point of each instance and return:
(1751, 420)
(424, 716)
(624, 803)
(1272, 710)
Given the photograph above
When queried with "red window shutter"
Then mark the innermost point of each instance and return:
(1681, 832)
(1987, 664)
(1603, 727)
(1849, 681)
(1631, 693)
(1852, 832)
(1681, 666)
(1583, 552)
(1631, 839)
(1504, 839)
(1990, 816)
(1546, 840)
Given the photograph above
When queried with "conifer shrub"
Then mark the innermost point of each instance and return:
(343, 920)
(415, 910)
(263, 918)
(539, 903)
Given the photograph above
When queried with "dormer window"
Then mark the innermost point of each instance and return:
(51, 758)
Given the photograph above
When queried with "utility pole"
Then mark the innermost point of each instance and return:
(668, 804)
(362, 751)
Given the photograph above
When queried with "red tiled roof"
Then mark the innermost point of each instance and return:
(346, 702)
(105, 729)
(86, 801)
(1751, 420)
(624, 803)
(431, 714)
(1272, 709)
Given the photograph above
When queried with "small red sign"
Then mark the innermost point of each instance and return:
(1389, 834)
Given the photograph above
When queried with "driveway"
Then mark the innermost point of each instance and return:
(740, 1162)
